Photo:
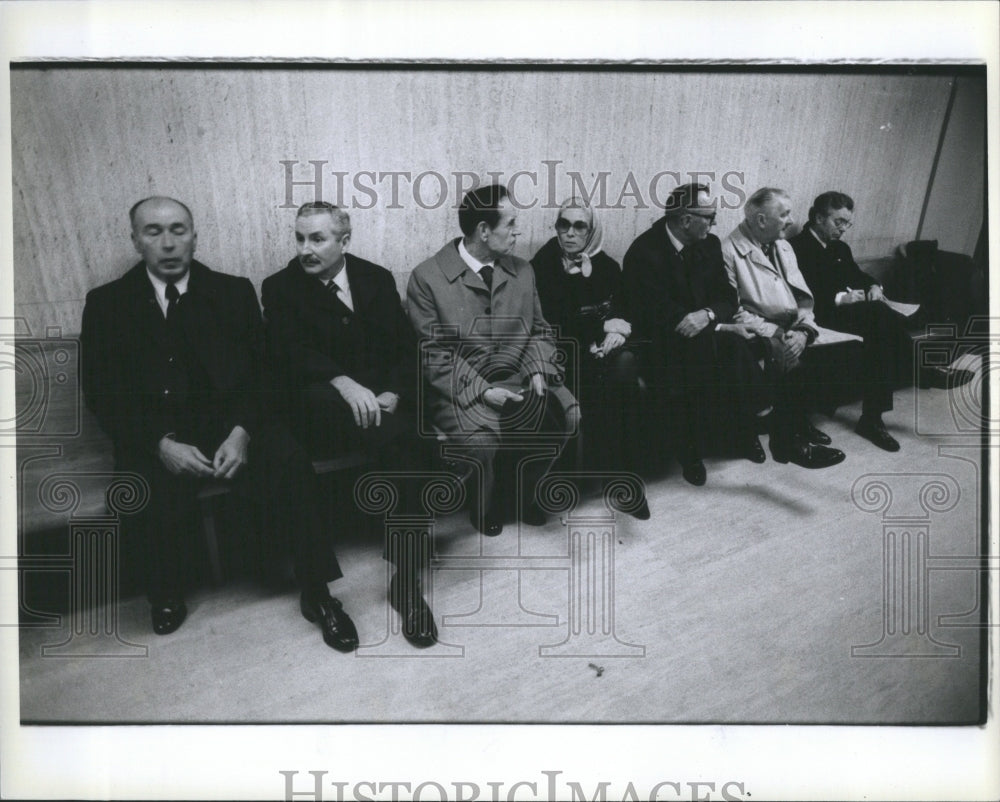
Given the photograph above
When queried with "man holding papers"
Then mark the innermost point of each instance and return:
(848, 299)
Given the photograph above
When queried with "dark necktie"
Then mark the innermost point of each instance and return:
(172, 295)
(486, 274)
(769, 253)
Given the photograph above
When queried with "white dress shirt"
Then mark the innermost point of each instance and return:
(345, 288)
(160, 287)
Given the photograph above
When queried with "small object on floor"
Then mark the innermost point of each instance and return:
(873, 430)
(339, 631)
(598, 669)
(168, 615)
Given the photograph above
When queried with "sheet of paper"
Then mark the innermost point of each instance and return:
(831, 337)
(904, 309)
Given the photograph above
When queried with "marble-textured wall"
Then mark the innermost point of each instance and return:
(88, 142)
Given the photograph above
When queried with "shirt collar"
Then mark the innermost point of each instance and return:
(474, 264)
(160, 286)
(341, 279)
(673, 240)
(753, 240)
(811, 231)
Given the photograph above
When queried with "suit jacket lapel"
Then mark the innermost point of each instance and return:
(143, 307)
(201, 324)
(313, 292)
(362, 287)
(681, 268)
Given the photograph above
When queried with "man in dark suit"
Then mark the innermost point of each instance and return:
(171, 355)
(344, 350)
(676, 294)
(848, 299)
(488, 363)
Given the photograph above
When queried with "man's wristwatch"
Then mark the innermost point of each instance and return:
(711, 315)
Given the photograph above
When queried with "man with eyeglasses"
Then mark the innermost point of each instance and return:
(848, 299)
(676, 295)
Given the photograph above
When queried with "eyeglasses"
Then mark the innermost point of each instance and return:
(840, 222)
(563, 225)
(709, 216)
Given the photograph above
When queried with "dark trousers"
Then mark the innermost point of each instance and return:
(720, 386)
(607, 391)
(277, 483)
(328, 428)
(515, 458)
(886, 354)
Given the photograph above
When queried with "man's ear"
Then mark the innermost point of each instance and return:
(135, 241)
(345, 241)
(194, 242)
(482, 230)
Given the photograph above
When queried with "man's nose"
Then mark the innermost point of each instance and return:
(167, 241)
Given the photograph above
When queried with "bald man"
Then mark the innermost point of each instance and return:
(171, 358)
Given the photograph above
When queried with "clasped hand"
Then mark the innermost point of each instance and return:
(184, 458)
(795, 343)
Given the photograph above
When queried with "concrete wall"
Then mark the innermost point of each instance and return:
(956, 203)
(88, 142)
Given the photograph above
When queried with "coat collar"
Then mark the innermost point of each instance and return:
(747, 248)
(453, 266)
(363, 290)
(201, 281)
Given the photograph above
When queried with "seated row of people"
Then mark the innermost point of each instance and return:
(173, 354)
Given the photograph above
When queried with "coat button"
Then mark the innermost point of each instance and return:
(166, 392)
(488, 310)
(345, 320)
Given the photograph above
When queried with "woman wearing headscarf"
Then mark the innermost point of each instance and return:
(579, 287)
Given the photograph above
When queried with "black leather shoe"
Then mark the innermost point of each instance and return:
(814, 435)
(694, 471)
(339, 631)
(754, 451)
(943, 378)
(805, 455)
(168, 615)
(417, 619)
(874, 431)
(491, 526)
(533, 515)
